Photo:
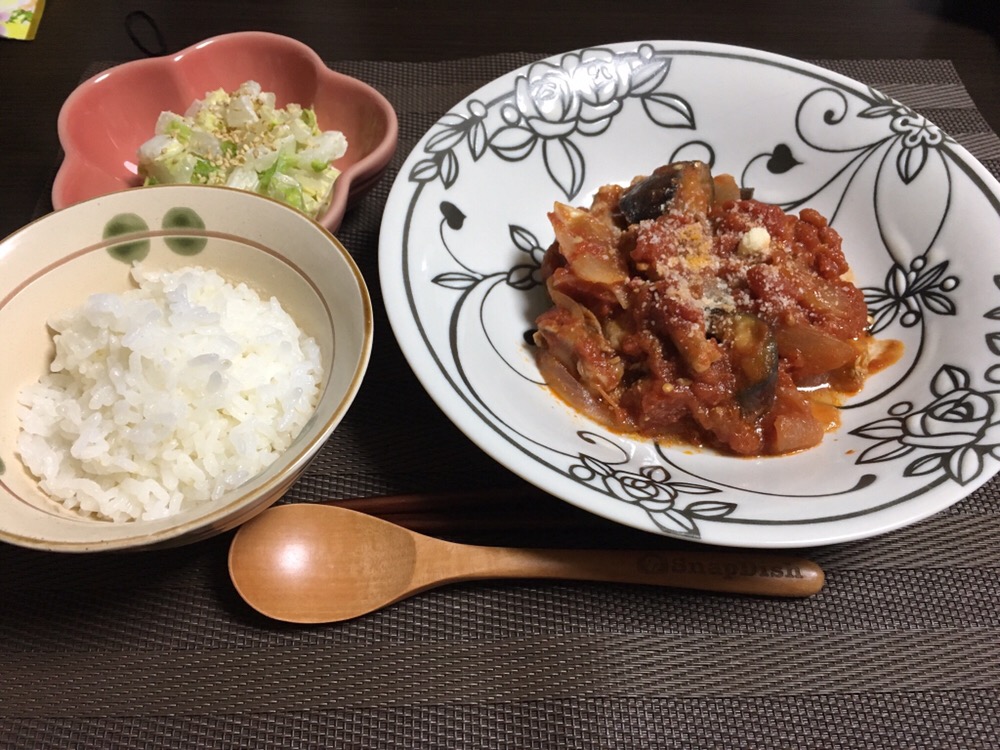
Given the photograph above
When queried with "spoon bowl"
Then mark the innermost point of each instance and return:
(309, 563)
(306, 563)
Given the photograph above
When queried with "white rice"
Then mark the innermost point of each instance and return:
(166, 396)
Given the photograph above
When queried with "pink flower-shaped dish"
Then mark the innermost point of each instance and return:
(106, 119)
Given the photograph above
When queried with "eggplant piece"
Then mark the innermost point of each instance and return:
(753, 353)
(649, 198)
(687, 185)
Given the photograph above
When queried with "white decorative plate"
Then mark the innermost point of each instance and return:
(465, 228)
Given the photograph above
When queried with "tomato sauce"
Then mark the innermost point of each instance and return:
(684, 309)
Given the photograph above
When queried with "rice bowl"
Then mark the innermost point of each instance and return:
(60, 261)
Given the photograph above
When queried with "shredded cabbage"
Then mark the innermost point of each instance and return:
(242, 140)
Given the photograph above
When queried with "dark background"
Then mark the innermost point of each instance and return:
(36, 76)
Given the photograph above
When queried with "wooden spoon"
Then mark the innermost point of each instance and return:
(320, 563)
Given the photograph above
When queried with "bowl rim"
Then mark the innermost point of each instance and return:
(352, 182)
(237, 510)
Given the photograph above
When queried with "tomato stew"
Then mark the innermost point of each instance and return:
(685, 309)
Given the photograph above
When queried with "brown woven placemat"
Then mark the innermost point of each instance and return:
(900, 650)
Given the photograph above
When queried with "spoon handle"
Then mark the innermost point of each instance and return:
(762, 574)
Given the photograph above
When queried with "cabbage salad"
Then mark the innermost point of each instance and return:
(242, 140)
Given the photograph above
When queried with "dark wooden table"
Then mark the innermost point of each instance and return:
(156, 650)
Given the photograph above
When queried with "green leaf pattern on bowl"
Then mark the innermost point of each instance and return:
(184, 218)
(177, 218)
(124, 224)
